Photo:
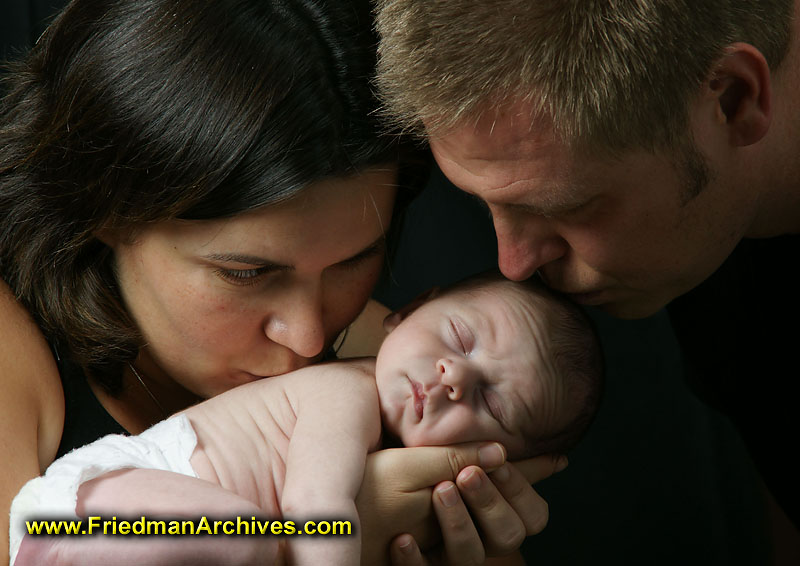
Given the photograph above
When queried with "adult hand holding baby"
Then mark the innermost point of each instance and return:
(402, 486)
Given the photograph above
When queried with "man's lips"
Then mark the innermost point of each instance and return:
(582, 296)
(588, 297)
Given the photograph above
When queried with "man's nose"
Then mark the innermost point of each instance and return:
(525, 242)
(458, 379)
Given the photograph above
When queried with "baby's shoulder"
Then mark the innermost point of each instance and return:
(354, 376)
(350, 380)
(360, 371)
(340, 397)
(358, 367)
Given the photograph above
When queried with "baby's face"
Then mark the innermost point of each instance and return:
(467, 366)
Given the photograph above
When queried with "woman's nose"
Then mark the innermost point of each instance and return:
(297, 323)
(457, 378)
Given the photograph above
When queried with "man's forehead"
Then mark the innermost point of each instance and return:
(508, 154)
(508, 128)
(528, 173)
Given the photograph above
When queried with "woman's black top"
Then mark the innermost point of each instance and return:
(85, 419)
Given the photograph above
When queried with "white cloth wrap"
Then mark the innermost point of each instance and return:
(166, 446)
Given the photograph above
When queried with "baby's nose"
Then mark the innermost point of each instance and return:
(456, 377)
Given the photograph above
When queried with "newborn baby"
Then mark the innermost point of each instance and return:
(485, 360)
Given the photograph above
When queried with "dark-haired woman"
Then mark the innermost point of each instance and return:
(195, 194)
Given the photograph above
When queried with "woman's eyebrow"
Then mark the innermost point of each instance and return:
(375, 247)
(257, 261)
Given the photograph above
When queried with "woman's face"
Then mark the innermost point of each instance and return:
(225, 302)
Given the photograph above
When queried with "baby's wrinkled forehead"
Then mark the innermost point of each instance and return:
(506, 303)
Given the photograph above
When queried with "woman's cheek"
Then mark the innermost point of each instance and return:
(351, 290)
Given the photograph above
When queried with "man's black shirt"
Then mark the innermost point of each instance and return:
(740, 336)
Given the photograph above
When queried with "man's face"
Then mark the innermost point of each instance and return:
(618, 233)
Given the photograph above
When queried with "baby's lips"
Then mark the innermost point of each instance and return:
(418, 398)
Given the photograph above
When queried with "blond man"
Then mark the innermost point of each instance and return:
(634, 155)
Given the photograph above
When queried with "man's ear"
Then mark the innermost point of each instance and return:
(741, 86)
(393, 320)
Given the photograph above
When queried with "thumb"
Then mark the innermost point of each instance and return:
(425, 466)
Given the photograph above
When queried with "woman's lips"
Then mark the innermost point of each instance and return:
(250, 377)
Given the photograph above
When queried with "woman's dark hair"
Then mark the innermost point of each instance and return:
(129, 112)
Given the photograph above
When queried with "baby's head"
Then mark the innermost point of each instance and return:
(491, 359)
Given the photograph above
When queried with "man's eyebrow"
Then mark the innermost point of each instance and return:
(554, 198)
(549, 208)
(256, 261)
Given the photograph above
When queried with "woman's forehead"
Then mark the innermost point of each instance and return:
(302, 239)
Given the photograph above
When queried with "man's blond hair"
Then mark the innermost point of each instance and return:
(608, 73)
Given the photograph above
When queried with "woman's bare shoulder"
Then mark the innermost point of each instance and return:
(32, 393)
(31, 405)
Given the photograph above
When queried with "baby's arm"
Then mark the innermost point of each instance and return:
(338, 422)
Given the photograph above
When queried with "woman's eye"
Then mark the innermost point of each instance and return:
(241, 276)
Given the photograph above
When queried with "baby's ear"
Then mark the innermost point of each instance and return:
(393, 320)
